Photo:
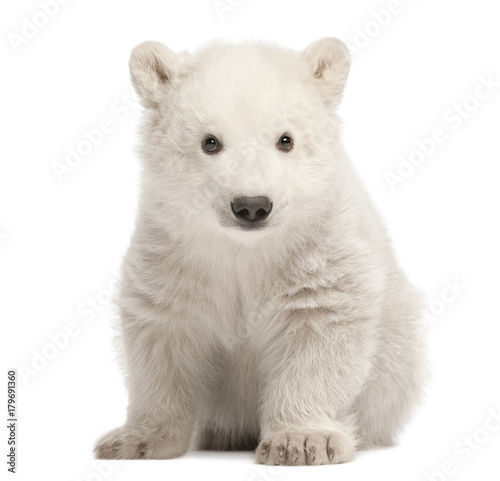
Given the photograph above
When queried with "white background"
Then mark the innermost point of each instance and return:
(61, 241)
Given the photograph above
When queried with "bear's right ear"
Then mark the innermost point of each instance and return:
(153, 66)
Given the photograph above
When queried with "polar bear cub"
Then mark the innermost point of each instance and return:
(261, 305)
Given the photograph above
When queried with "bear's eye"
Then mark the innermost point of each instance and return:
(285, 143)
(211, 145)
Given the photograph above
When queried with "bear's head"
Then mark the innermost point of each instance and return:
(240, 140)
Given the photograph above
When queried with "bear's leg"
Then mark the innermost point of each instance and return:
(162, 375)
(313, 371)
(394, 387)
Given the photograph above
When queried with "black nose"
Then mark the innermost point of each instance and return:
(252, 209)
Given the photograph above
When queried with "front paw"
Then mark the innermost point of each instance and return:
(295, 448)
(132, 443)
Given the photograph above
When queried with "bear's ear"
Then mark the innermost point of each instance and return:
(329, 62)
(153, 67)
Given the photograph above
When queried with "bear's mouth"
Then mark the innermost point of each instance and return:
(250, 225)
(234, 223)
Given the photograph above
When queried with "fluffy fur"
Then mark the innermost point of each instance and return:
(300, 339)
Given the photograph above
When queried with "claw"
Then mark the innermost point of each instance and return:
(331, 453)
(312, 455)
(142, 449)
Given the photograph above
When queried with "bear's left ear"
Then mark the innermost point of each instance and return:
(153, 67)
(329, 62)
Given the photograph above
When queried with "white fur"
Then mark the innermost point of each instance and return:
(302, 336)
